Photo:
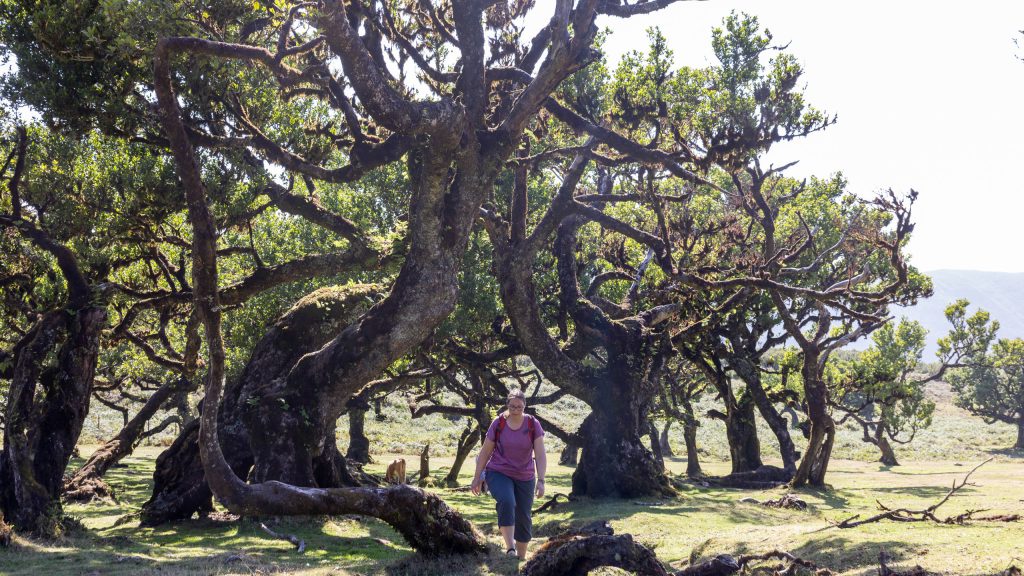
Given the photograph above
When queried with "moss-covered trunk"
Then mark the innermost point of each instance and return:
(46, 408)
(180, 488)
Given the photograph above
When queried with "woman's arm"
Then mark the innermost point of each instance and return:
(541, 457)
(481, 463)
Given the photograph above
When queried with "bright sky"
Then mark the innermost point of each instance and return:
(929, 95)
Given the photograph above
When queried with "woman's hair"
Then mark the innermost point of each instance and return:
(515, 393)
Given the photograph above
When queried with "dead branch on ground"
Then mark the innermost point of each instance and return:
(553, 502)
(928, 514)
(300, 545)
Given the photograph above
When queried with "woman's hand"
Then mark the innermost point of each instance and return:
(540, 487)
(477, 484)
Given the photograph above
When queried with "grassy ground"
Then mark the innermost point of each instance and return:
(699, 523)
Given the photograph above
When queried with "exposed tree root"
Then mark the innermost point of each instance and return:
(88, 489)
(300, 545)
(578, 552)
(928, 514)
(790, 563)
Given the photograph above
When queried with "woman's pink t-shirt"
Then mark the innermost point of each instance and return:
(513, 452)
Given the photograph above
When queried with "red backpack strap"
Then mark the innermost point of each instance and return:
(531, 427)
(497, 431)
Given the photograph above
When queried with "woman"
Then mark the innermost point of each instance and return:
(513, 448)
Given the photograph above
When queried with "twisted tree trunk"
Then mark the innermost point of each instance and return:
(693, 469)
(469, 439)
(180, 488)
(614, 460)
(814, 464)
(46, 409)
(652, 434)
(741, 434)
(888, 454)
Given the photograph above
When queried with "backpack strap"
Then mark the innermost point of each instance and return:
(502, 421)
(531, 427)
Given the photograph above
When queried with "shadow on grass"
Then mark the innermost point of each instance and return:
(1009, 452)
(932, 492)
(210, 546)
(494, 561)
(842, 554)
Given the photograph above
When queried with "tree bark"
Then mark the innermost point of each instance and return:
(1020, 434)
(570, 455)
(741, 432)
(882, 441)
(614, 460)
(577, 553)
(46, 409)
(652, 434)
(666, 446)
(814, 464)
(358, 443)
(693, 469)
(179, 484)
(469, 439)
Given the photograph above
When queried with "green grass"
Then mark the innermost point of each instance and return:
(699, 523)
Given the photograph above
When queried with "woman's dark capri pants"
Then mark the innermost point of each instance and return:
(514, 502)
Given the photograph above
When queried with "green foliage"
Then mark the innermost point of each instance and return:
(879, 388)
(989, 380)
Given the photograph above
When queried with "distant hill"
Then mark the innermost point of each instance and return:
(1001, 294)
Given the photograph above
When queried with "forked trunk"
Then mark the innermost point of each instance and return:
(815, 462)
(752, 377)
(46, 409)
(882, 441)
